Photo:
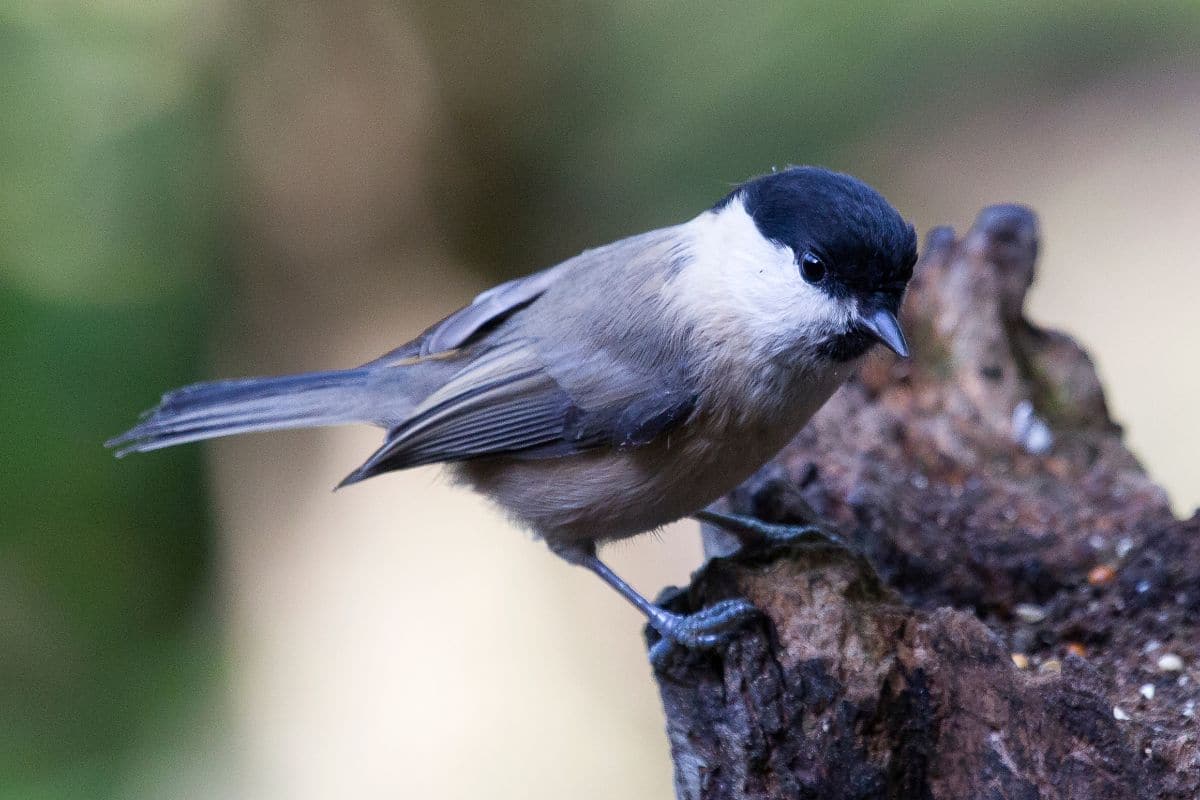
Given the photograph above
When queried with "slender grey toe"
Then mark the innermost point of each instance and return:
(703, 630)
(753, 531)
(706, 628)
(660, 654)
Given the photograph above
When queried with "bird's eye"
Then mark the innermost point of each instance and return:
(812, 268)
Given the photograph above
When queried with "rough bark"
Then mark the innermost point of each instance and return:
(1020, 584)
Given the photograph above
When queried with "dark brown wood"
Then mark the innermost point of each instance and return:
(1019, 583)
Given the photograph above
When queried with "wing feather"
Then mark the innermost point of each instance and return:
(526, 385)
(488, 308)
(473, 322)
(503, 402)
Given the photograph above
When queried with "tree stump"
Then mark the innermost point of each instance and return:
(1019, 619)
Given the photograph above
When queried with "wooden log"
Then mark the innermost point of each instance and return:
(1018, 581)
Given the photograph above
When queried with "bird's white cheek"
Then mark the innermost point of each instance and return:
(744, 293)
(820, 312)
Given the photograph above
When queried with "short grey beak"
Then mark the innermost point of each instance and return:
(884, 326)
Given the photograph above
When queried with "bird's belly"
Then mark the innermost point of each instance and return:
(616, 493)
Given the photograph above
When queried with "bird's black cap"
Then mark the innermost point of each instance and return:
(866, 249)
(865, 243)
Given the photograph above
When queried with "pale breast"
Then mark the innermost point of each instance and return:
(613, 494)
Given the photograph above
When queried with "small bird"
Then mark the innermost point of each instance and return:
(625, 388)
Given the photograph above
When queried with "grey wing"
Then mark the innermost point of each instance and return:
(491, 309)
(487, 309)
(472, 322)
(506, 403)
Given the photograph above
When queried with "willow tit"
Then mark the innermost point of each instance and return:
(625, 388)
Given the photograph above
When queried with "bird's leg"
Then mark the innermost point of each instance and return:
(772, 493)
(706, 628)
(753, 532)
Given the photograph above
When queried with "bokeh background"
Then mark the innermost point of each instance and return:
(194, 189)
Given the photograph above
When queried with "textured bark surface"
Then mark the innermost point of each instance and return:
(1021, 620)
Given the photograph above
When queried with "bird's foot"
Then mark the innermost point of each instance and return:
(705, 629)
(754, 532)
(708, 628)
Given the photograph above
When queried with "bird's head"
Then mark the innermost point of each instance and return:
(831, 257)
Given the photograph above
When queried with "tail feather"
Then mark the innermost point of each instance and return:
(222, 408)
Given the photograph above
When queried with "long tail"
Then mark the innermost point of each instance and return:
(221, 408)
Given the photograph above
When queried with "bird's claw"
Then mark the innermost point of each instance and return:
(702, 630)
(807, 535)
(755, 532)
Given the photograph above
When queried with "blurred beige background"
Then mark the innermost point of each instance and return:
(373, 166)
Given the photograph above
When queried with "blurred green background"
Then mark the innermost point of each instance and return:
(193, 189)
